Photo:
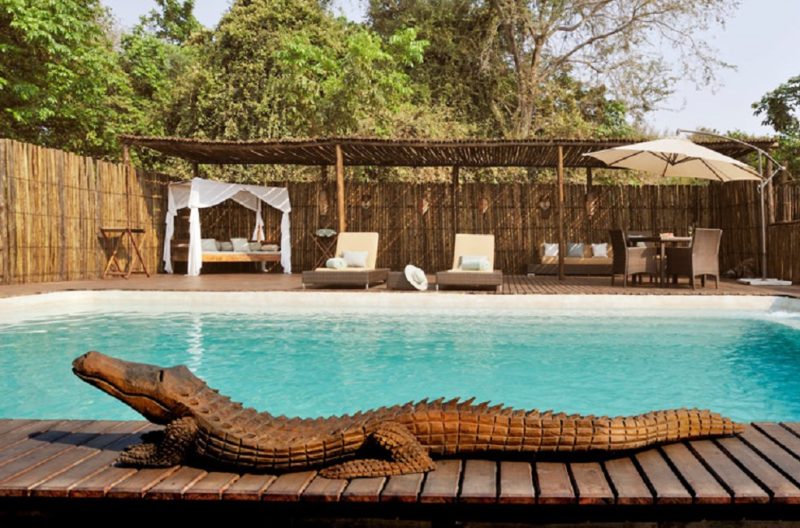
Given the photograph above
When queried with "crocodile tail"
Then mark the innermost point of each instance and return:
(659, 427)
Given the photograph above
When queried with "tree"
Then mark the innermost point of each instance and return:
(60, 82)
(172, 21)
(481, 64)
(283, 68)
(780, 109)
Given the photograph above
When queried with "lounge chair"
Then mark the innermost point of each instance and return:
(366, 276)
(472, 246)
(631, 261)
(701, 258)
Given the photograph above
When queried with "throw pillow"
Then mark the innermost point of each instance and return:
(208, 244)
(575, 249)
(550, 250)
(355, 259)
(600, 250)
(474, 263)
(240, 244)
(225, 245)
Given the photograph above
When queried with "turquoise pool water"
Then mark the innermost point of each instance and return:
(316, 364)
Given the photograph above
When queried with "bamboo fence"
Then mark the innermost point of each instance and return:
(52, 205)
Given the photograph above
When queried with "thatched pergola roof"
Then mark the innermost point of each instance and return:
(404, 152)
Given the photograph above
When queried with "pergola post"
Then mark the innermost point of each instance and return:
(126, 161)
(195, 170)
(588, 203)
(454, 193)
(340, 188)
(561, 245)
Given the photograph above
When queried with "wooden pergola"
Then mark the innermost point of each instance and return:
(556, 153)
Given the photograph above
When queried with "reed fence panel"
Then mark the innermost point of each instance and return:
(52, 205)
(783, 250)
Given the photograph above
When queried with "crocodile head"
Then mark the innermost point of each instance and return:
(158, 394)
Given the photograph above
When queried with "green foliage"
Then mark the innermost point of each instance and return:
(173, 21)
(60, 81)
(780, 109)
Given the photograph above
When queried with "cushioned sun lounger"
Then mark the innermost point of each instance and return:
(471, 246)
(350, 276)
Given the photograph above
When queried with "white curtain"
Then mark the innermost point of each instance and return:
(200, 193)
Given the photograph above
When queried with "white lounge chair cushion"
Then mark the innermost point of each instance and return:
(240, 244)
(600, 250)
(475, 263)
(209, 244)
(575, 249)
(355, 259)
(353, 241)
(550, 250)
(335, 263)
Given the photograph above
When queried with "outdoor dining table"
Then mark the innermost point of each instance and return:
(662, 242)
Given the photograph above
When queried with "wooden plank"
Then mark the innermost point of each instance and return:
(137, 484)
(668, 488)
(779, 487)
(781, 435)
(554, 483)
(174, 485)
(591, 484)
(516, 483)
(770, 450)
(403, 488)
(736, 481)
(43, 452)
(248, 487)
(441, 484)
(61, 484)
(628, 482)
(21, 483)
(479, 485)
(26, 432)
(705, 488)
(97, 485)
(364, 490)
(322, 489)
(289, 487)
(8, 425)
(28, 443)
(210, 487)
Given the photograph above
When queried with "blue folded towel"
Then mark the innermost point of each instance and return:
(336, 263)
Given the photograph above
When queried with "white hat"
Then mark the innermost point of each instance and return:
(416, 277)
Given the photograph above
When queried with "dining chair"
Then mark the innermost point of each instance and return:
(631, 261)
(700, 259)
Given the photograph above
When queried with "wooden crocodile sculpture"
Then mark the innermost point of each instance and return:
(207, 427)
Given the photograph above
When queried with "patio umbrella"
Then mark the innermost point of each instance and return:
(676, 158)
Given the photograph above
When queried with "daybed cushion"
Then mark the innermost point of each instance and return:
(209, 244)
(355, 259)
(240, 244)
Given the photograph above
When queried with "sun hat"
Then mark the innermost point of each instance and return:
(416, 277)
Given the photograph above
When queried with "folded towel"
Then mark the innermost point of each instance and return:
(336, 263)
(475, 263)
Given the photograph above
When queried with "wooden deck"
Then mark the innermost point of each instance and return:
(512, 285)
(754, 475)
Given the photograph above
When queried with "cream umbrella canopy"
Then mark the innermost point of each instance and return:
(676, 158)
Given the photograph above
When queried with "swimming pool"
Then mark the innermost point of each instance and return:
(321, 354)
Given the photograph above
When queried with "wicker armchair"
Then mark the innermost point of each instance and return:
(631, 260)
(702, 258)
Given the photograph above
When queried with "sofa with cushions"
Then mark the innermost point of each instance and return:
(580, 259)
(233, 250)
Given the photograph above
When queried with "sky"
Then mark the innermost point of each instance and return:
(760, 40)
